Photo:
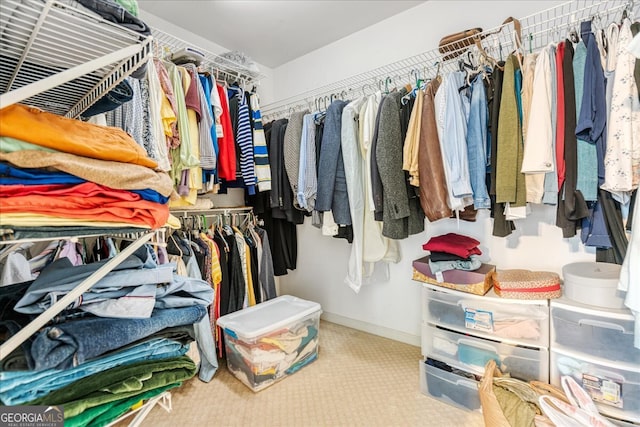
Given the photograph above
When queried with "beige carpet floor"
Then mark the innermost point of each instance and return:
(358, 380)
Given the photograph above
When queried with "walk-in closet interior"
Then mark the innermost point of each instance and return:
(319, 213)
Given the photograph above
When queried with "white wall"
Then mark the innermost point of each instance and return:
(393, 308)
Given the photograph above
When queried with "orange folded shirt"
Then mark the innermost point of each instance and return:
(71, 136)
(88, 201)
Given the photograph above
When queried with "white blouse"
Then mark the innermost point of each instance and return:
(622, 158)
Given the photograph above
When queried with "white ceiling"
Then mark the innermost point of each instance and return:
(274, 32)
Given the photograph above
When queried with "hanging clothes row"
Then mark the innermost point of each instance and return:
(494, 134)
(205, 133)
(233, 256)
(343, 167)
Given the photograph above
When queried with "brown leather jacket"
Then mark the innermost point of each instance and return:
(433, 186)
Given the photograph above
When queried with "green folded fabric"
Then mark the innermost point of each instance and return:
(119, 383)
(104, 414)
(9, 145)
(130, 5)
(516, 411)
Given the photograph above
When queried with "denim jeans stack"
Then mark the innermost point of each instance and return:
(141, 317)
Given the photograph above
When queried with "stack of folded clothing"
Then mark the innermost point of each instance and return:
(121, 342)
(453, 252)
(60, 174)
(454, 263)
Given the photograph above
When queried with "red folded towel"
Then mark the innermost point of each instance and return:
(453, 243)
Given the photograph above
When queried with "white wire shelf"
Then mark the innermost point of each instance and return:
(62, 59)
(223, 68)
(538, 30)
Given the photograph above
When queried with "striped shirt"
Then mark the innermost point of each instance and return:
(244, 140)
(260, 153)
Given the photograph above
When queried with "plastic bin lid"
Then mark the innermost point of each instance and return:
(268, 316)
(592, 274)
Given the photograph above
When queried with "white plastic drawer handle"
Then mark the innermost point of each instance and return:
(601, 324)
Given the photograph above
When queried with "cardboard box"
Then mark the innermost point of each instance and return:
(474, 282)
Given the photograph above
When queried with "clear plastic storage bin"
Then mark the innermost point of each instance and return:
(602, 333)
(271, 340)
(456, 387)
(614, 386)
(524, 322)
(473, 354)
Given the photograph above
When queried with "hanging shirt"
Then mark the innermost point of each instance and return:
(226, 141)
(551, 178)
(560, 165)
(182, 156)
(452, 132)
(207, 91)
(509, 187)
(587, 156)
(292, 140)
(539, 153)
(260, 152)
(245, 143)
(367, 126)
(571, 206)
(307, 174)
(622, 157)
(477, 143)
(169, 106)
(593, 115)
(204, 121)
(332, 188)
(159, 107)
(412, 141)
(354, 178)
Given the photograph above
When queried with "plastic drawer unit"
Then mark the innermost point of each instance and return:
(524, 322)
(450, 385)
(472, 354)
(605, 333)
(614, 386)
(269, 341)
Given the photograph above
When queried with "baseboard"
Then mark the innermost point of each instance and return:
(372, 329)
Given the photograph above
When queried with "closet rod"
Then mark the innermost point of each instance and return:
(116, 234)
(165, 41)
(212, 211)
(44, 318)
(497, 42)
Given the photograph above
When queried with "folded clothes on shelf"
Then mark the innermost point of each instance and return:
(119, 383)
(19, 387)
(453, 243)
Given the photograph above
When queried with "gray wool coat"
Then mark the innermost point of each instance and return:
(396, 209)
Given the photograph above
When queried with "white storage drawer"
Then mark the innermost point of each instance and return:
(606, 334)
(455, 388)
(515, 321)
(472, 353)
(614, 386)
